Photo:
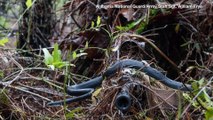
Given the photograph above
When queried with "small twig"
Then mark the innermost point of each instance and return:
(21, 71)
(24, 102)
(25, 69)
(44, 90)
(7, 77)
(47, 81)
(23, 90)
(155, 29)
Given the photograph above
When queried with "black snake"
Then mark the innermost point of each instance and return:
(84, 90)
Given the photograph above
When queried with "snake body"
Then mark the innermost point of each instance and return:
(84, 90)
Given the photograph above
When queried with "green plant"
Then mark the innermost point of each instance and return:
(54, 61)
(29, 3)
(201, 99)
(76, 55)
(75, 112)
(129, 26)
(3, 22)
(1, 73)
(4, 41)
(97, 25)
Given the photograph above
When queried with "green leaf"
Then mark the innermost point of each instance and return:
(187, 97)
(71, 114)
(98, 22)
(129, 26)
(177, 28)
(60, 64)
(92, 24)
(3, 41)
(141, 27)
(206, 97)
(153, 12)
(56, 54)
(209, 114)
(54, 61)
(195, 85)
(87, 45)
(74, 55)
(120, 28)
(48, 58)
(3, 22)
(29, 3)
(201, 82)
(1, 73)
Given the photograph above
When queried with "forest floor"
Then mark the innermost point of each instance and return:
(53, 45)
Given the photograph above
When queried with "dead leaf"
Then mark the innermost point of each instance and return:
(128, 13)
